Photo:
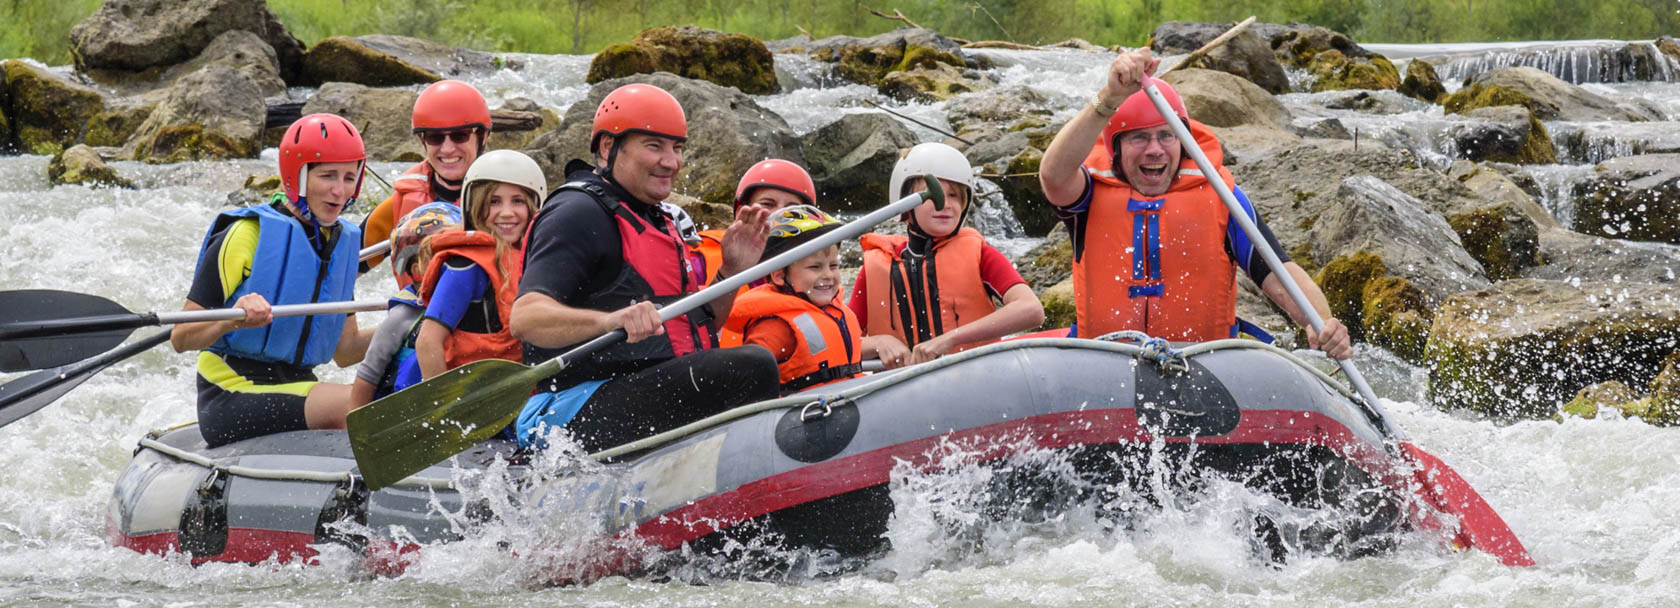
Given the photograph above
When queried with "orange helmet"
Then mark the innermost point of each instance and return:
(1137, 112)
(317, 138)
(450, 104)
(779, 174)
(639, 108)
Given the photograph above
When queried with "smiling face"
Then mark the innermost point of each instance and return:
(329, 187)
(942, 222)
(504, 212)
(450, 152)
(816, 275)
(646, 165)
(1149, 159)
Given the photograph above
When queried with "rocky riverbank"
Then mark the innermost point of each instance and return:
(1452, 256)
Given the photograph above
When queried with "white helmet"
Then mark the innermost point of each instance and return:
(943, 161)
(509, 167)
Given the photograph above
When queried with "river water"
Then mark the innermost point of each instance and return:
(1592, 499)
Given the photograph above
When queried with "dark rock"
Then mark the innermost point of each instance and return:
(116, 124)
(140, 35)
(731, 60)
(1334, 71)
(1298, 44)
(382, 115)
(1509, 134)
(1049, 263)
(357, 60)
(852, 158)
(518, 122)
(727, 133)
(1325, 128)
(47, 113)
(1017, 179)
(1245, 55)
(1421, 82)
(215, 113)
(81, 165)
(1572, 256)
(1635, 198)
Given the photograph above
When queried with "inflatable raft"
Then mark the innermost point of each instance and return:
(812, 470)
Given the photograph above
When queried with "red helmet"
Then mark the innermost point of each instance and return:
(317, 138)
(1137, 112)
(640, 108)
(779, 174)
(450, 104)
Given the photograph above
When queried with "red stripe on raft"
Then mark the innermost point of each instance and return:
(1049, 431)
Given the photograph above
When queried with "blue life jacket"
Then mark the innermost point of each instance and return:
(286, 270)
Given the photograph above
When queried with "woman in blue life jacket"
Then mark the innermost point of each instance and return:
(392, 347)
(255, 375)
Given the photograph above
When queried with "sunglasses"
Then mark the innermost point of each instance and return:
(435, 138)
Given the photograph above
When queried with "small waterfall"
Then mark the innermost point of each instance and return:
(1574, 63)
(1555, 183)
(993, 216)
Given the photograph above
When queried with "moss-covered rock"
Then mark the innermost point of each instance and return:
(215, 113)
(707, 216)
(1550, 98)
(6, 145)
(1421, 82)
(343, 59)
(1504, 240)
(1049, 263)
(381, 114)
(257, 190)
(1386, 310)
(1059, 307)
(115, 125)
(1588, 401)
(181, 143)
(937, 83)
(1521, 348)
(1634, 198)
(81, 165)
(870, 64)
(1669, 47)
(731, 60)
(1486, 96)
(1343, 282)
(47, 113)
(1017, 178)
(1663, 406)
(1298, 46)
(1510, 134)
(1335, 72)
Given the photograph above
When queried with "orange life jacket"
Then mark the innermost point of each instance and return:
(828, 337)
(1157, 264)
(918, 301)
(711, 247)
(409, 191)
(463, 345)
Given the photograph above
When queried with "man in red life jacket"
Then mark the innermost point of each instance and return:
(1155, 249)
(598, 257)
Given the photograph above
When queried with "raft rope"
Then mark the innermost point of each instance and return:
(1158, 350)
(151, 443)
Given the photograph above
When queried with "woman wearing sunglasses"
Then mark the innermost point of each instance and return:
(452, 121)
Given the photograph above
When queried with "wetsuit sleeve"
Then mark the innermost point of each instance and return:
(1082, 204)
(566, 245)
(859, 302)
(1242, 249)
(460, 283)
(774, 334)
(226, 263)
(387, 340)
(996, 272)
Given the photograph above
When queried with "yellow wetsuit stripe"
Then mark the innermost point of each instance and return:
(239, 248)
(215, 370)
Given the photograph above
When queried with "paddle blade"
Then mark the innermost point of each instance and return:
(26, 395)
(1479, 526)
(25, 306)
(427, 423)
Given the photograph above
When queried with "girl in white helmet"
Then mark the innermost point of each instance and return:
(941, 288)
(472, 277)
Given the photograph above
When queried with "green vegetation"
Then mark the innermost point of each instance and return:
(585, 26)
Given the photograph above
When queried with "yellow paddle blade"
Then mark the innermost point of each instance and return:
(427, 423)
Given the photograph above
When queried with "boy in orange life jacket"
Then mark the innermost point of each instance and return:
(797, 315)
(932, 292)
(472, 277)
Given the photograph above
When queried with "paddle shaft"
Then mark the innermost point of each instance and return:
(1188, 141)
(935, 193)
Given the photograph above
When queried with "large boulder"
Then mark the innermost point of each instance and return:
(1017, 180)
(117, 123)
(1245, 55)
(1421, 82)
(81, 165)
(1496, 189)
(1334, 71)
(1572, 256)
(1509, 134)
(1549, 97)
(375, 61)
(1297, 45)
(938, 82)
(383, 115)
(1219, 99)
(727, 133)
(1667, 45)
(851, 159)
(829, 49)
(1008, 108)
(47, 113)
(1634, 197)
(868, 60)
(243, 51)
(139, 35)
(215, 113)
(1521, 348)
(731, 60)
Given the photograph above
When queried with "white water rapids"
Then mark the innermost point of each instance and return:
(1594, 500)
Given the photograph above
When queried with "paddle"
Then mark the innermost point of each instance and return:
(36, 333)
(1439, 484)
(26, 395)
(420, 426)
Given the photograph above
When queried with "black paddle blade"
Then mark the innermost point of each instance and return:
(26, 395)
(25, 306)
(425, 424)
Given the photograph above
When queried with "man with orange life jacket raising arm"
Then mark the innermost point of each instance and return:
(1154, 248)
(598, 257)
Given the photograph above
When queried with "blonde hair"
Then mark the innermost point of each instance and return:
(476, 215)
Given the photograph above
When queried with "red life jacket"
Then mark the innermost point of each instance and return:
(828, 336)
(410, 190)
(918, 301)
(475, 340)
(1157, 264)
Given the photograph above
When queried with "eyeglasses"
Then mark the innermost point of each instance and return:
(435, 138)
(1140, 139)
